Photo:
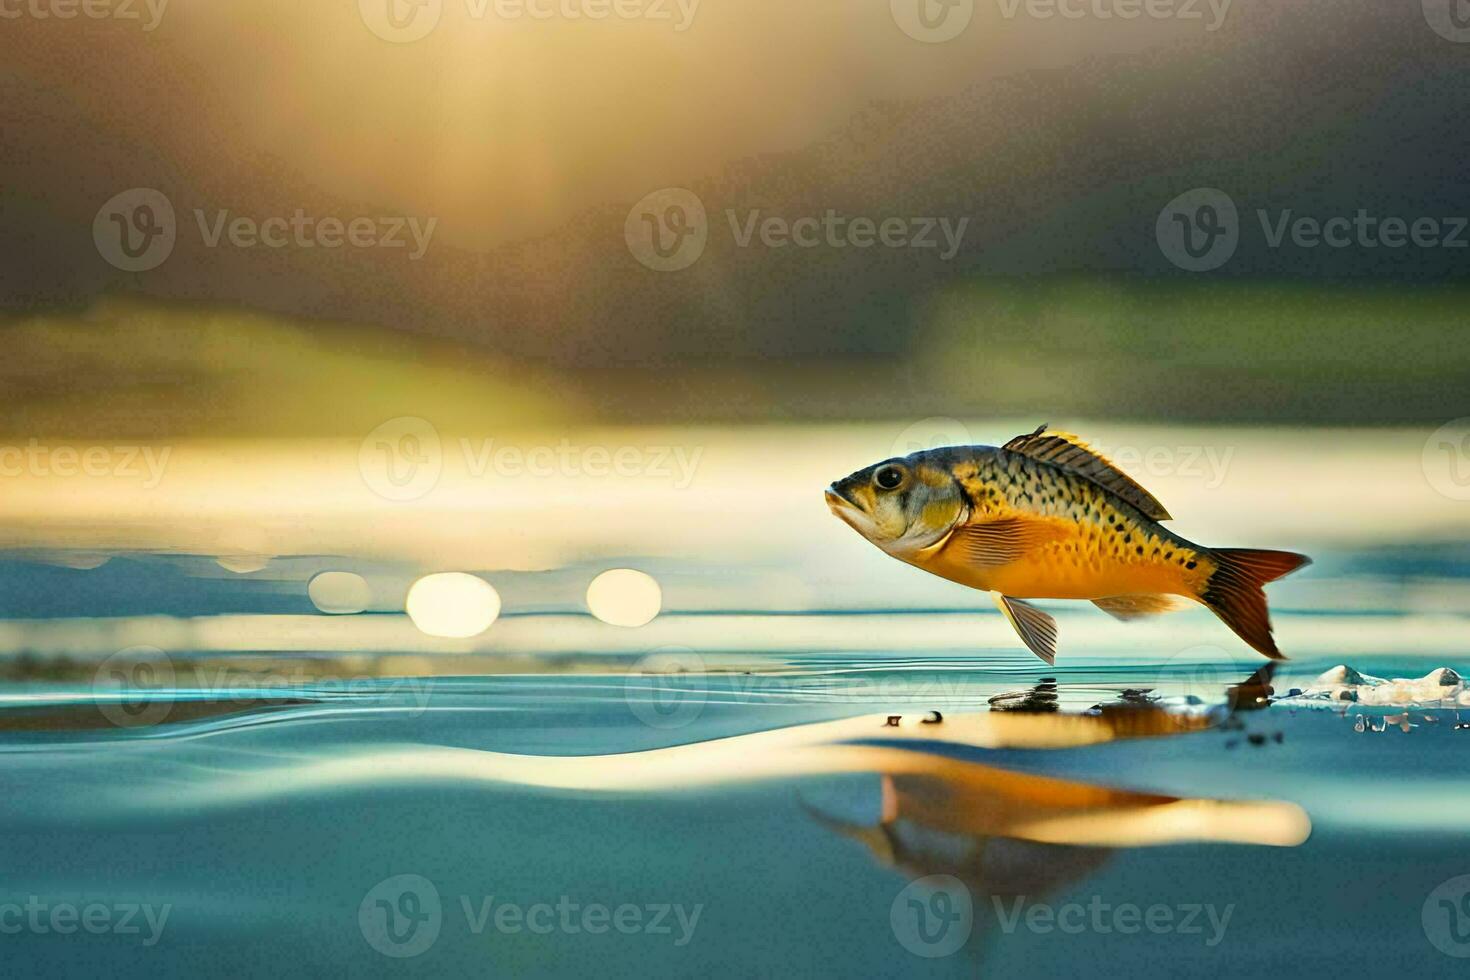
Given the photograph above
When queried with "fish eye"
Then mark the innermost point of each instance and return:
(888, 477)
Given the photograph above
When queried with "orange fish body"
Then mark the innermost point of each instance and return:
(1088, 543)
(1046, 517)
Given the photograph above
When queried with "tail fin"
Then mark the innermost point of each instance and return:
(1234, 591)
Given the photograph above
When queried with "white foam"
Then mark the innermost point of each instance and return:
(1442, 685)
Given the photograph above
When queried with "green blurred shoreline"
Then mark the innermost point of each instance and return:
(1216, 351)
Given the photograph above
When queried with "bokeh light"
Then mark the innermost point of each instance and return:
(624, 597)
(339, 593)
(452, 605)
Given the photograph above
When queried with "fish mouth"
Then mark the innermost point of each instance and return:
(844, 508)
(837, 501)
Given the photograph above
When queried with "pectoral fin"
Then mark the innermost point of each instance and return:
(1130, 607)
(1000, 542)
(1038, 630)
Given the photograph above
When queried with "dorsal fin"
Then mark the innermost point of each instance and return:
(1069, 452)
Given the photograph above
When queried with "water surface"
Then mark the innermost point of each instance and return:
(206, 773)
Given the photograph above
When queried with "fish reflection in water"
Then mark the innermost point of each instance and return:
(926, 758)
(934, 793)
(1013, 835)
(932, 783)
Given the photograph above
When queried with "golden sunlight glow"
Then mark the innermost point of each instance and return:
(453, 605)
(624, 597)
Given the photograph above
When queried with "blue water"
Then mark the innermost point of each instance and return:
(257, 788)
(263, 863)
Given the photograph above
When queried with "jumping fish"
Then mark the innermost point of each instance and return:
(1047, 517)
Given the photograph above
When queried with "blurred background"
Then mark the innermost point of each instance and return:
(499, 158)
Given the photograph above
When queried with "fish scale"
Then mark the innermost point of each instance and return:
(1119, 550)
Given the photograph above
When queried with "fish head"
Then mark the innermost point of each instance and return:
(902, 505)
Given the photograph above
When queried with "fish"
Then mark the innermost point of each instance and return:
(1046, 516)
